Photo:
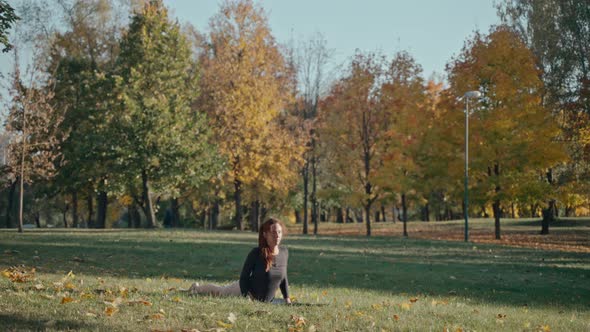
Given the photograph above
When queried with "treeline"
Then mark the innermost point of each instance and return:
(142, 122)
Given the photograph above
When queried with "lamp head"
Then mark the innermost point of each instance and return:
(472, 94)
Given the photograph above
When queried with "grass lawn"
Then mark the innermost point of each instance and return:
(130, 280)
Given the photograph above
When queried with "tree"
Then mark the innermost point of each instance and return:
(311, 60)
(355, 127)
(163, 141)
(246, 83)
(513, 132)
(404, 99)
(558, 35)
(33, 124)
(82, 58)
(7, 19)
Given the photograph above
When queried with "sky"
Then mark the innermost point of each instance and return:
(432, 31)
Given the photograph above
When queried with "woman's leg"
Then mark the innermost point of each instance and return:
(232, 289)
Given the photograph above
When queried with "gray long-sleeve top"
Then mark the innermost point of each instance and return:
(261, 284)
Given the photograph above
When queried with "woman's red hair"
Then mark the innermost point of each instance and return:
(263, 245)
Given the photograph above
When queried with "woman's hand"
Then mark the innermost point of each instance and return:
(288, 300)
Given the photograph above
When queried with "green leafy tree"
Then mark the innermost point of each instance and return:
(163, 141)
(7, 19)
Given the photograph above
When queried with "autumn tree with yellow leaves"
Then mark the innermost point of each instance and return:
(513, 135)
(246, 83)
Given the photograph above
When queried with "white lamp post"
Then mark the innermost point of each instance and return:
(468, 95)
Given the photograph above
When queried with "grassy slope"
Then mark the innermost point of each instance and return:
(347, 283)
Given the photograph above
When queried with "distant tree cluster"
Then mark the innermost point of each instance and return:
(142, 122)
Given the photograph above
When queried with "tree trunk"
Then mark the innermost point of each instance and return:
(497, 214)
(21, 198)
(339, 215)
(65, 216)
(37, 219)
(305, 195)
(174, 210)
(254, 217)
(89, 201)
(426, 216)
(383, 213)
(148, 203)
(314, 200)
(10, 202)
(404, 215)
(347, 217)
(512, 210)
(263, 214)
(75, 209)
(102, 204)
(548, 217)
(377, 216)
(238, 201)
(368, 218)
(215, 214)
(297, 217)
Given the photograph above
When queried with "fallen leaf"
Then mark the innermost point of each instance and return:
(396, 317)
(91, 314)
(109, 311)
(500, 316)
(405, 306)
(66, 299)
(544, 328)
(224, 325)
(232, 318)
(39, 287)
(189, 330)
(413, 300)
(298, 320)
(142, 302)
(376, 307)
(155, 316)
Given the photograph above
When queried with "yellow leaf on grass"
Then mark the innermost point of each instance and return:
(348, 304)
(298, 320)
(545, 328)
(376, 306)
(406, 306)
(224, 325)
(69, 286)
(155, 316)
(67, 299)
(142, 302)
(109, 311)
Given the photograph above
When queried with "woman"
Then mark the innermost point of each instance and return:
(264, 271)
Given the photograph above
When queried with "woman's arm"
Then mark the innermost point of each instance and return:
(247, 270)
(285, 283)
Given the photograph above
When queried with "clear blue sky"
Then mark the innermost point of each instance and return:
(431, 30)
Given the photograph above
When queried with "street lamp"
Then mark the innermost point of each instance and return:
(468, 95)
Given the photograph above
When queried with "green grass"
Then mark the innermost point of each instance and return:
(341, 283)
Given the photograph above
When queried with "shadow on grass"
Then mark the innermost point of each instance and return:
(559, 223)
(19, 323)
(386, 265)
